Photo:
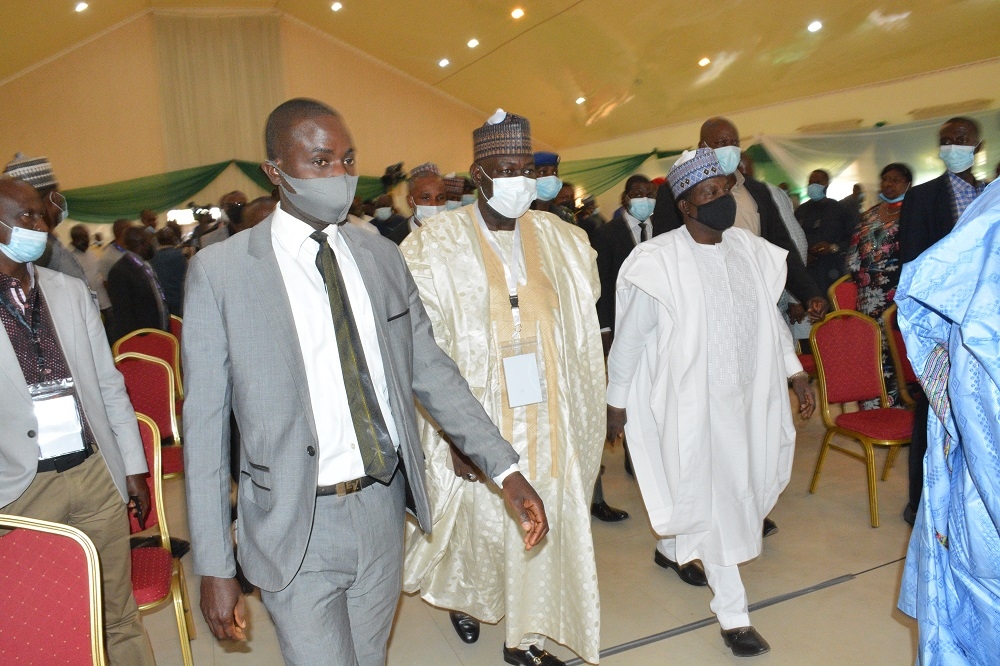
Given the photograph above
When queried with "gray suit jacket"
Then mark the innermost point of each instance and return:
(99, 386)
(241, 352)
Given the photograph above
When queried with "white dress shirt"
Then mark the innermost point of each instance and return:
(633, 226)
(339, 456)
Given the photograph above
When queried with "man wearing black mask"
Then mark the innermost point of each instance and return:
(231, 205)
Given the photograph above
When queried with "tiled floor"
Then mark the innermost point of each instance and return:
(824, 537)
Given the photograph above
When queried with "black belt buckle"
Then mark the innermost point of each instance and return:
(65, 462)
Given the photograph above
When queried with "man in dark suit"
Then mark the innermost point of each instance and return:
(929, 214)
(170, 265)
(80, 470)
(615, 240)
(755, 211)
(313, 334)
(828, 225)
(136, 295)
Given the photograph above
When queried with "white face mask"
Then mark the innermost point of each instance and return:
(424, 212)
(511, 196)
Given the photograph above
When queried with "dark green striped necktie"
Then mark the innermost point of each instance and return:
(376, 446)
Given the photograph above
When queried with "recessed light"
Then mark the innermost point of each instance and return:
(517, 13)
(81, 6)
(473, 43)
(336, 6)
(704, 62)
(444, 62)
(581, 100)
(815, 26)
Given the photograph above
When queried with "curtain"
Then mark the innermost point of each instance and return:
(220, 77)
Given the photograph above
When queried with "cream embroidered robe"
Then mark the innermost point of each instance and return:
(475, 561)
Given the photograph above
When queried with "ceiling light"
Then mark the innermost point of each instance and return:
(581, 100)
(704, 62)
(336, 6)
(473, 43)
(517, 13)
(815, 26)
(444, 62)
(80, 6)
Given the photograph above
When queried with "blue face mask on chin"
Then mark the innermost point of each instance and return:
(25, 245)
(893, 200)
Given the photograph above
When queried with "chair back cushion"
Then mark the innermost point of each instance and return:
(176, 325)
(149, 434)
(848, 346)
(44, 599)
(846, 294)
(149, 382)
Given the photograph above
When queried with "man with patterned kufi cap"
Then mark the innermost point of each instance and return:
(454, 188)
(701, 359)
(508, 291)
(37, 172)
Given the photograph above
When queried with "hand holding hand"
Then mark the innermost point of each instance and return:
(526, 503)
(818, 307)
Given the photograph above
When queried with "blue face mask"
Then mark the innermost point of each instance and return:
(816, 191)
(452, 205)
(468, 198)
(25, 244)
(729, 158)
(547, 187)
(958, 158)
(641, 208)
(893, 200)
(383, 213)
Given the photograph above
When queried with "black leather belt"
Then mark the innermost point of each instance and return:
(65, 462)
(349, 487)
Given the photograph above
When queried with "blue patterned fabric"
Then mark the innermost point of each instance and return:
(949, 312)
(962, 194)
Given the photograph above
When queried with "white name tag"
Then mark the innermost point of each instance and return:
(59, 428)
(523, 384)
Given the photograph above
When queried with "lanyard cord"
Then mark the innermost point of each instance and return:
(511, 273)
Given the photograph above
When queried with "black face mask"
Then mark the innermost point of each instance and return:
(719, 214)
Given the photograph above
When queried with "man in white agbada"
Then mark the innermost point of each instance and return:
(511, 295)
(700, 359)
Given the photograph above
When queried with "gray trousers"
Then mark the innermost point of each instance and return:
(338, 609)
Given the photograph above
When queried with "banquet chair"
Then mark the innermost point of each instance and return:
(807, 361)
(156, 574)
(843, 294)
(154, 342)
(848, 350)
(176, 324)
(150, 385)
(897, 350)
(50, 595)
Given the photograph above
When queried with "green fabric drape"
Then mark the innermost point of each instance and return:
(107, 203)
(253, 171)
(600, 174)
(765, 168)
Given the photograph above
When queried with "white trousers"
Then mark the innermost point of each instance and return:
(730, 601)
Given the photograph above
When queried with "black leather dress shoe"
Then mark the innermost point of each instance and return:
(466, 626)
(745, 642)
(691, 573)
(530, 657)
(607, 513)
(770, 527)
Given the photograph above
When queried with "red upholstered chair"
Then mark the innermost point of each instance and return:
(157, 576)
(51, 610)
(843, 294)
(176, 324)
(848, 350)
(150, 385)
(897, 349)
(156, 343)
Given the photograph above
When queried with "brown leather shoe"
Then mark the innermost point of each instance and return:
(530, 657)
(466, 626)
(691, 573)
(745, 642)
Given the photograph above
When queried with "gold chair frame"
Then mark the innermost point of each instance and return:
(178, 583)
(831, 292)
(173, 397)
(175, 364)
(889, 324)
(93, 573)
(867, 443)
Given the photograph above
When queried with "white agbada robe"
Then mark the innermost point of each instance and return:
(474, 561)
(700, 360)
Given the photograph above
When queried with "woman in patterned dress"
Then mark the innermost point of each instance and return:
(873, 256)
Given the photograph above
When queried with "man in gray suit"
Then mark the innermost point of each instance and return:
(313, 334)
(69, 444)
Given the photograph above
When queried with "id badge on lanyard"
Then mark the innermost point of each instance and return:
(60, 427)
